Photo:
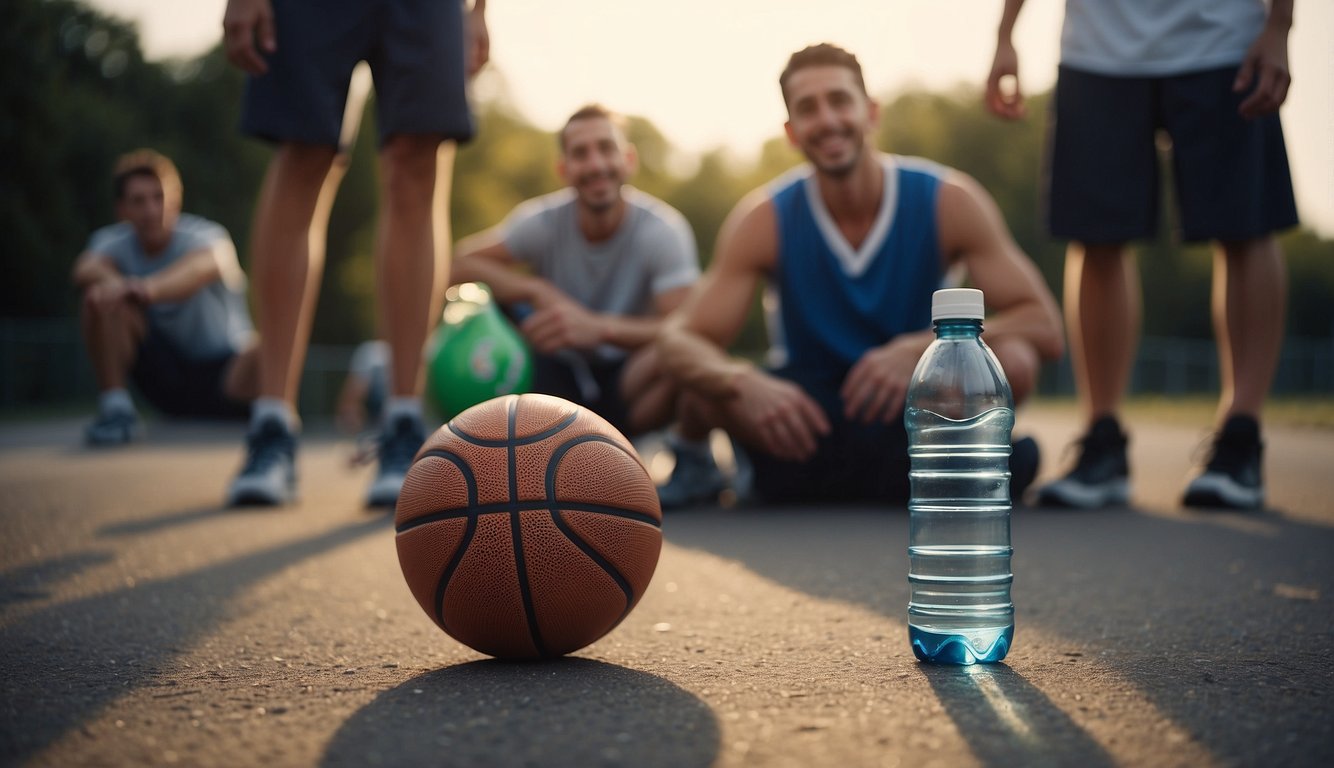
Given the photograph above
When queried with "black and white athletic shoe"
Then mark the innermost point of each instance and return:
(1231, 478)
(114, 427)
(268, 477)
(399, 443)
(1101, 476)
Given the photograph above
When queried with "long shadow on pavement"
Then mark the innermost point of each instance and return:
(567, 712)
(65, 663)
(1222, 621)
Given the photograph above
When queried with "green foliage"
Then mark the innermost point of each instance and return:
(75, 92)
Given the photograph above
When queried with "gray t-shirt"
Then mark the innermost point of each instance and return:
(1158, 38)
(212, 323)
(652, 252)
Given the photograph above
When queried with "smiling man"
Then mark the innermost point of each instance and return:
(590, 271)
(163, 304)
(851, 246)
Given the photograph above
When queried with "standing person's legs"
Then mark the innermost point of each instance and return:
(1234, 188)
(286, 259)
(1102, 313)
(412, 251)
(1102, 194)
(1250, 293)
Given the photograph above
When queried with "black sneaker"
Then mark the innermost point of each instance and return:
(114, 427)
(268, 478)
(1231, 478)
(399, 443)
(696, 478)
(1101, 477)
(1025, 458)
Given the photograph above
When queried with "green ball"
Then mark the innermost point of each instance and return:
(475, 354)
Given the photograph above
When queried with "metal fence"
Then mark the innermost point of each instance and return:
(45, 365)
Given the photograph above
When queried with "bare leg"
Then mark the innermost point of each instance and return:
(412, 249)
(112, 335)
(287, 257)
(241, 379)
(649, 395)
(1249, 301)
(1102, 311)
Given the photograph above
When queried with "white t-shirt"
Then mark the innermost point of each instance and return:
(1155, 38)
(653, 251)
(212, 323)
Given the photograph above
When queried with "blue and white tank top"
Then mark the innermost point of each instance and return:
(828, 302)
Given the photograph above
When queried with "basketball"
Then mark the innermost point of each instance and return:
(528, 527)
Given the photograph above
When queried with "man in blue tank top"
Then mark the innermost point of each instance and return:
(850, 247)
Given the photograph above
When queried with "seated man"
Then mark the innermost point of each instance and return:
(589, 272)
(163, 304)
(852, 246)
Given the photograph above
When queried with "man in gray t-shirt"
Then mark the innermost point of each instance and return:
(163, 304)
(589, 272)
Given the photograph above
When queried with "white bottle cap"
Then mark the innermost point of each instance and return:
(956, 303)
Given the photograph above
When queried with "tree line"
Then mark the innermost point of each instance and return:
(77, 91)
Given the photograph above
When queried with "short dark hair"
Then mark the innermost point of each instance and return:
(591, 112)
(144, 162)
(821, 55)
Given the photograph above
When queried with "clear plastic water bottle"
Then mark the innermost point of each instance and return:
(959, 414)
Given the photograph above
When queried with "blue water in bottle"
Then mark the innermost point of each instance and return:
(959, 414)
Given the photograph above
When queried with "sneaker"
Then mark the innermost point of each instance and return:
(1025, 458)
(1231, 477)
(113, 428)
(269, 476)
(695, 479)
(399, 443)
(1101, 477)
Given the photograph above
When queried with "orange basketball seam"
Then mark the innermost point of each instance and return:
(512, 440)
(516, 530)
(526, 505)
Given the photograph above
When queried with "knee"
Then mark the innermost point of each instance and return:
(310, 163)
(1021, 364)
(408, 169)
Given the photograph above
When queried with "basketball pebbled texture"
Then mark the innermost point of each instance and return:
(528, 527)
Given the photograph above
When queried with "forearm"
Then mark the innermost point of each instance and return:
(1033, 324)
(1008, 17)
(1280, 15)
(90, 270)
(699, 364)
(629, 332)
(181, 280)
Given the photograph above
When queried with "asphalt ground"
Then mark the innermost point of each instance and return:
(141, 624)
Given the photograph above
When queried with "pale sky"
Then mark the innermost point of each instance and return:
(705, 71)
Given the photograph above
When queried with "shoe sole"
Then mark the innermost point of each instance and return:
(1222, 492)
(1069, 495)
(254, 496)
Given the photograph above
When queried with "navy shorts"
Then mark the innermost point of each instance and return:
(854, 463)
(416, 52)
(553, 376)
(179, 386)
(1231, 174)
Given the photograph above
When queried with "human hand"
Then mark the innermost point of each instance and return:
(779, 413)
(561, 324)
(479, 39)
(108, 293)
(1265, 67)
(246, 24)
(877, 385)
(1008, 105)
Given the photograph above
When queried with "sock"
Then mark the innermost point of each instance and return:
(399, 405)
(263, 408)
(115, 401)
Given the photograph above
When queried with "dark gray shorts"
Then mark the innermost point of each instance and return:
(415, 49)
(854, 463)
(1231, 174)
